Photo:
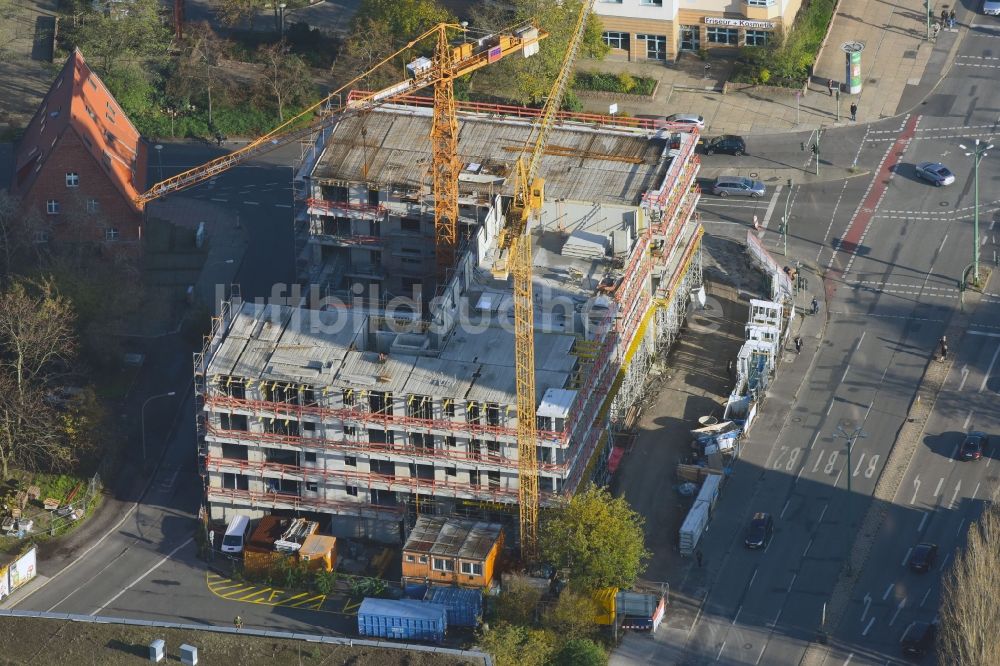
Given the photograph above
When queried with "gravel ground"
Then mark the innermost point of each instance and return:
(43, 641)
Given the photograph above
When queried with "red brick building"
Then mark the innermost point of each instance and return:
(81, 163)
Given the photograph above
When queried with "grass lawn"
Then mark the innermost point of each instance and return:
(43, 641)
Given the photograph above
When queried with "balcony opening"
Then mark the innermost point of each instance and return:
(238, 422)
(234, 452)
(380, 403)
(235, 481)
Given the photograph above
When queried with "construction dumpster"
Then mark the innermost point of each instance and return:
(464, 605)
(406, 619)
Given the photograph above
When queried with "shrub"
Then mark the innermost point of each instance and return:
(626, 83)
(787, 59)
(580, 652)
(615, 83)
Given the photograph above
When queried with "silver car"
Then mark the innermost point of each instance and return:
(687, 119)
(935, 172)
(738, 187)
(991, 7)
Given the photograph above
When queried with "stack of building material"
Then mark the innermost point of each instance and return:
(585, 245)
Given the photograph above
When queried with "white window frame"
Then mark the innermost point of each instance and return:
(616, 40)
(447, 566)
(41, 236)
(111, 234)
(93, 205)
(72, 179)
(470, 568)
(713, 30)
(655, 39)
(52, 207)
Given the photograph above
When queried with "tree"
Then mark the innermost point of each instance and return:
(36, 342)
(517, 602)
(970, 600)
(597, 537)
(514, 645)
(199, 68)
(112, 39)
(529, 80)
(233, 12)
(580, 652)
(285, 77)
(572, 616)
(405, 19)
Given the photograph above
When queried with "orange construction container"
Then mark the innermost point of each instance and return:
(319, 551)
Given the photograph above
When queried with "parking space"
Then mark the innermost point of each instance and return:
(241, 591)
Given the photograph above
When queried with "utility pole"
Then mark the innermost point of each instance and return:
(838, 105)
(851, 438)
(815, 149)
(927, 8)
(977, 153)
(784, 219)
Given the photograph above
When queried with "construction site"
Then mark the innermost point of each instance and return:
(371, 413)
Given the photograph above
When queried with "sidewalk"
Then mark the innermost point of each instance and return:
(895, 63)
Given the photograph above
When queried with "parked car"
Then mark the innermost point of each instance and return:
(936, 173)
(974, 446)
(734, 145)
(687, 119)
(991, 7)
(738, 186)
(760, 531)
(918, 640)
(923, 557)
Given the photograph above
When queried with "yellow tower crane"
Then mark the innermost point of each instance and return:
(449, 62)
(514, 256)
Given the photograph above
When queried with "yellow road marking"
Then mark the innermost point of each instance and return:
(217, 576)
(300, 594)
(276, 593)
(350, 606)
(244, 590)
(321, 597)
(254, 594)
(228, 586)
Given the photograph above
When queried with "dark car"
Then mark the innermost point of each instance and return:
(918, 640)
(760, 531)
(974, 446)
(923, 557)
(734, 145)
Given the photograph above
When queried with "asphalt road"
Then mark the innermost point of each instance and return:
(893, 248)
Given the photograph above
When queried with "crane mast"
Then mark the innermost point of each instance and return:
(515, 239)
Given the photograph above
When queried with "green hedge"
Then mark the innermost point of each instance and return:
(788, 59)
(615, 83)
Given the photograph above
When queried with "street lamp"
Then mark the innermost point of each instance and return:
(142, 420)
(851, 438)
(282, 19)
(977, 153)
(159, 158)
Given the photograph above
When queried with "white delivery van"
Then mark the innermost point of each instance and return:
(236, 535)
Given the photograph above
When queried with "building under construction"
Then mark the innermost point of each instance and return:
(392, 390)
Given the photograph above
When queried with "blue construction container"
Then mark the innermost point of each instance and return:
(465, 606)
(406, 619)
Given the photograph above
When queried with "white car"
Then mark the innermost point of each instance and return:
(936, 173)
(991, 7)
(687, 119)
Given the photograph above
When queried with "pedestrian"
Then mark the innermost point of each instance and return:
(943, 342)
(798, 344)
(951, 19)
(729, 367)
(815, 306)
(944, 16)
(937, 29)
(829, 86)
(238, 621)
(697, 556)
(854, 111)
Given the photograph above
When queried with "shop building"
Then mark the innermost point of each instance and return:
(651, 30)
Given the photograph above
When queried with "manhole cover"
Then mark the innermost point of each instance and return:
(747, 646)
(797, 419)
(944, 204)
(910, 54)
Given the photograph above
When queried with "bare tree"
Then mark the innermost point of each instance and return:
(285, 77)
(232, 12)
(970, 601)
(200, 66)
(36, 341)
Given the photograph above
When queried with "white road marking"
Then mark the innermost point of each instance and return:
(898, 608)
(752, 578)
(937, 491)
(797, 477)
(945, 563)
(924, 600)
(844, 376)
(837, 480)
(823, 513)
(961, 525)
(888, 590)
(923, 520)
(220, 200)
(989, 370)
(954, 454)
(965, 375)
(954, 496)
(868, 605)
(985, 333)
(761, 655)
(905, 631)
(794, 576)
(738, 610)
(965, 426)
(721, 648)
(283, 205)
(916, 488)
(906, 557)
(975, 492)
(857, 467)
(782, 514)
(770, 210)
(941, 246)
(848, 660)
(860, 340)
(148, 571)
(869, 627)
